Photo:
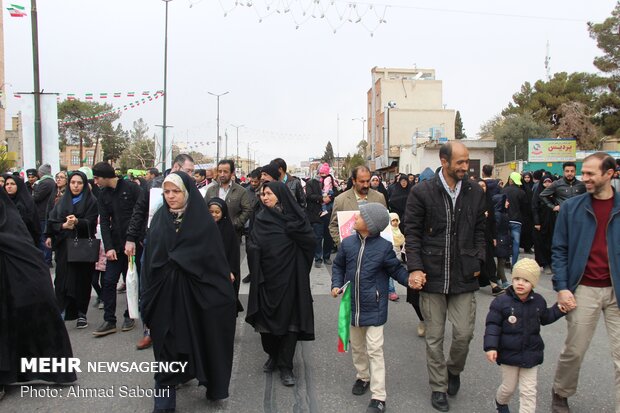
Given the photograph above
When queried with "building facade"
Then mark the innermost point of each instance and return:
(71, 158)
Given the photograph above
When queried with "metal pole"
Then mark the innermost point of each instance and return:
(237, 127)
(165, 126)
(38, 143)
(217, 157)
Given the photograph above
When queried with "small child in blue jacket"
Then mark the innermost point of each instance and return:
(512, 336)
(368, 261)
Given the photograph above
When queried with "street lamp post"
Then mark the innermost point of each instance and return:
(165, 125)
(237, 127)
(217, 157)
(363, 120)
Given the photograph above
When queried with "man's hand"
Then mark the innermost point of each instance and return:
(417, 279)
(48, 243)
(477, 274)
(111, 255)
(335, 292)
(566, 301)
(232, 277)
(537, 227)
(556, 208)
(130, 248)
(492, 356)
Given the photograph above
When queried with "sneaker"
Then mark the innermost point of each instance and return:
(128, 324)
(559, 404)
(548, 270)
(81, 322)
(318, 264)
(121, 288)
(144, 343)
(501, 408)
(246, 279)
(100, 306)
(360, 387)
(454, 384)
(105, 329)
(393, 297)
(287, 377)
(376, 406)
(497, 290)
(421, 329)
(327, 261)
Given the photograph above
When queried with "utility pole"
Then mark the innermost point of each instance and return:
(38, 143)
(165, 126)
(338, 145)
(237, 127)
(217, 157)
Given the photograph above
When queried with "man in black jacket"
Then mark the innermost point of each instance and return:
(445, 245)
(42, 191)
(516, 205)
(564, 188)
(292, 182)
(116, 202)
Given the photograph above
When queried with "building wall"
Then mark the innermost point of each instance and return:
(14, 142)
(71, 156)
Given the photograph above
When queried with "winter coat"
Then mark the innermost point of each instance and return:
(115, 210)
(560, 191)
(503, 249)
(314, 199)
(574, 234)
(519, 343)
(516, 197)
(444, 241)
(369, 275)
(294, 184)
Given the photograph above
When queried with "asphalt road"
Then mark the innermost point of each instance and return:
(324, 376)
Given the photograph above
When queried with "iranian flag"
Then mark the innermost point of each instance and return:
(89, 96)
(117, 94)
(16, 10)
(146, 93)
(103, 95)
(17, 95)
(131, 94)
(70, 96)
(344, 319)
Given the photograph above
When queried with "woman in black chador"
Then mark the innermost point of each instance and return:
(18, 192)
(188, 300)
(30, 322)
(280, 257)
(75, 215)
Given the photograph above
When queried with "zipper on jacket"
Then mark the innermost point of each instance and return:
(448, 251)
(358, 270)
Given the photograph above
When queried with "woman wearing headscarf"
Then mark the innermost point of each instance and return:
(527, 230)
(398, 198)
(543, 219)
(280, 257)
(18, 192)
(188, 300)
(74, 216)
(61, 185)
(219, 212)
(377, 185)
(30, 322)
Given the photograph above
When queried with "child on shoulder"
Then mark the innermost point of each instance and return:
(512, 336)
(368, 261)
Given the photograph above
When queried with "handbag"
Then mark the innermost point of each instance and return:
(83, 249)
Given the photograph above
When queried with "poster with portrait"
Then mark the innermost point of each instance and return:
(346, 220)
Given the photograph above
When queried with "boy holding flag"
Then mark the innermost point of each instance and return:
(366, 261)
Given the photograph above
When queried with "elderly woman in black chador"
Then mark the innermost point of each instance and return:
(280, 257)
(219, 212)
(30, 322)
(18, 192)
(75, 215)
(188, 300)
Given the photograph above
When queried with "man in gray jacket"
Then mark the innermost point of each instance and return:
(564, 188)
(236, 197)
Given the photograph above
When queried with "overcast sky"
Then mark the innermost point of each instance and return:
(288, 85)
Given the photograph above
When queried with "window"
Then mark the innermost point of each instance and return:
(75, 157)
(90, 157)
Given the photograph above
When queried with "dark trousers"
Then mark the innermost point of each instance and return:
(542, 248)
(165, 396)
(96, 283)
(47, 252)
(280, 348)
(110, 279)
(324, 241)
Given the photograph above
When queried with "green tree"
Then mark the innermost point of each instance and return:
(328, 156)
(113, 142)
(608, 104)
(362, 147)
(350, 163)
(575, 123)
(459, 132)
(512, 136)
(140, 153)
(79, 124)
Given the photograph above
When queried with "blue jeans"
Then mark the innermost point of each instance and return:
(165, 396)
(112, 274)
(324, 241)
(515, 232)
(391, 288)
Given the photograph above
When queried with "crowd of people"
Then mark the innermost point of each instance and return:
(450, 233)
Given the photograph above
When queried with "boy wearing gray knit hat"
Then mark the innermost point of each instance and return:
(366, 261)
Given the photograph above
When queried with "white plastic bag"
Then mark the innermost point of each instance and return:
(133, 293)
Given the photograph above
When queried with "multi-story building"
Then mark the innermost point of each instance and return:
(71, 158)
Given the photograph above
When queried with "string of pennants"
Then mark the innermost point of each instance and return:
(101, 95)
(118, 110)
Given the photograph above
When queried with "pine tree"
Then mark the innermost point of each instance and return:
(328, 156)
(458, 127)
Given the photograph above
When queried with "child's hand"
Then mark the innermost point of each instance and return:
(417, 279)
(335, 292)
(492, 356)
